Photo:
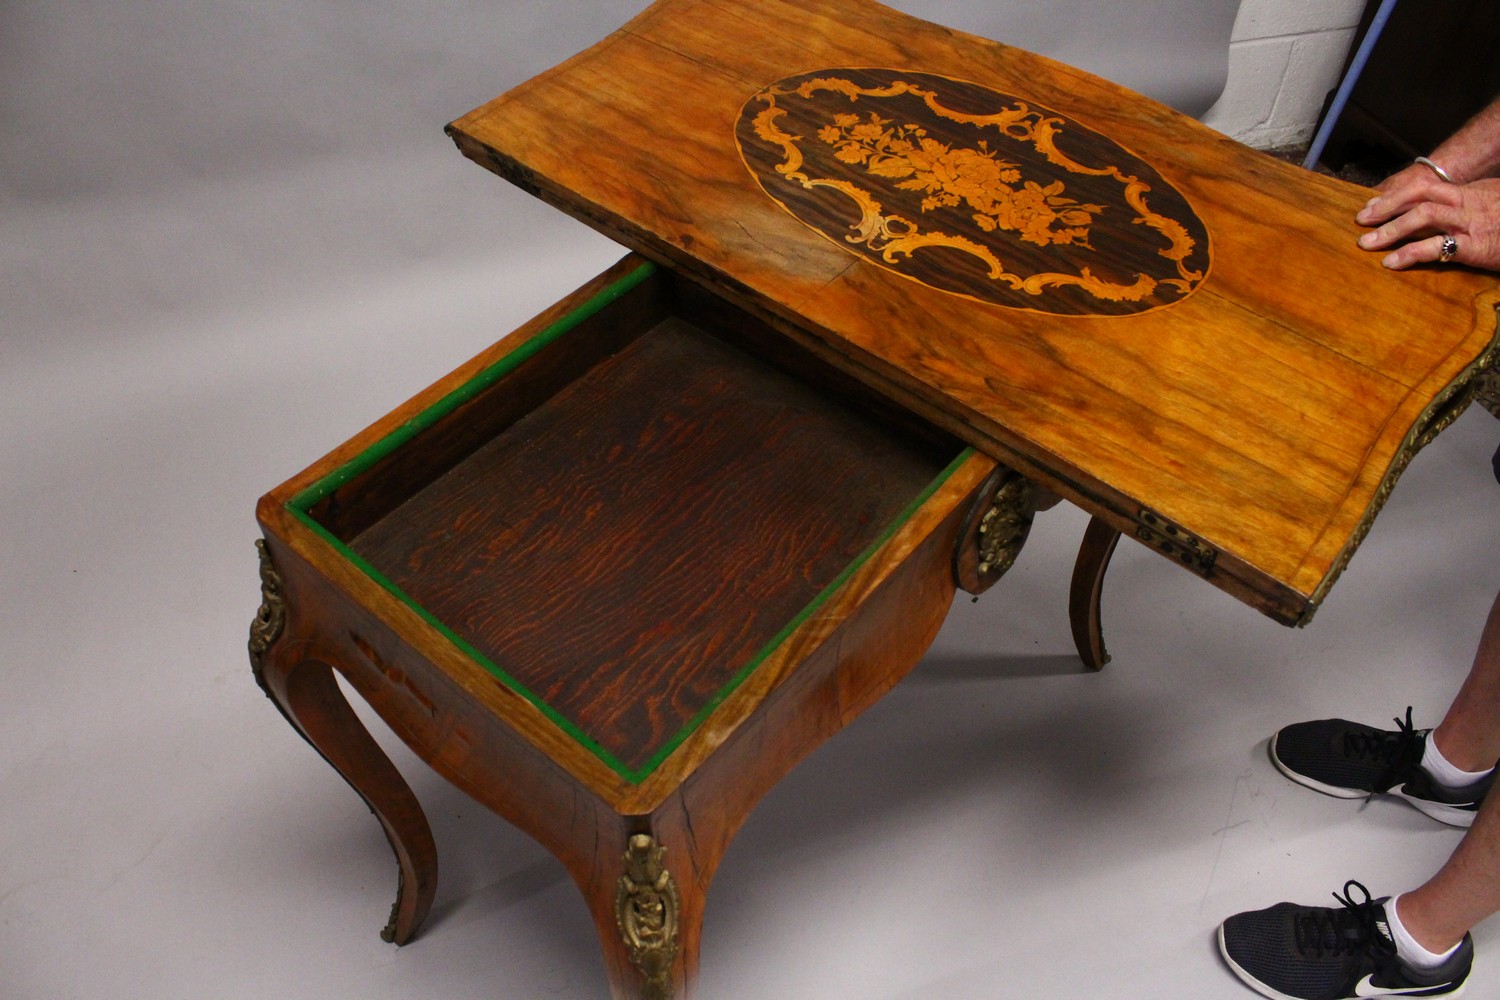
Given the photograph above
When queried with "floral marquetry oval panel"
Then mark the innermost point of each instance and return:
(974, 192)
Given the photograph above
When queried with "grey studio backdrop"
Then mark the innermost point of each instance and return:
(174, 155)
(233, 234)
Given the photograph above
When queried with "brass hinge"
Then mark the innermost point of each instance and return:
(1175, 542)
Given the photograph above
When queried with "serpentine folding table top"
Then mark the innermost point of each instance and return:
(1156, 322)
(893, 287)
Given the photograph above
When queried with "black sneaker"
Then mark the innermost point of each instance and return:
(1291, 952)
(1350, 760)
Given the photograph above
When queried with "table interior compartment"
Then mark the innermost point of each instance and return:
(624, 524)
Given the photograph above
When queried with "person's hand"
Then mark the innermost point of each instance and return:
(1415, 210)
(1399, 186)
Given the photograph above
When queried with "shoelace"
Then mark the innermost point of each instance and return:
(1398, 751)
(1352, 930)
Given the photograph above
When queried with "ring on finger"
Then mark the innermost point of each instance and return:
(1448, 249)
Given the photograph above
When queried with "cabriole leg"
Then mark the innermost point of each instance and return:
(1099, 541)
(303, 687)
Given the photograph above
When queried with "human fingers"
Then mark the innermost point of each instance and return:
(1422, 220)
(1443, 248)
(1402, 192)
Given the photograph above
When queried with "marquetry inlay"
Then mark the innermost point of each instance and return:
(974, 192)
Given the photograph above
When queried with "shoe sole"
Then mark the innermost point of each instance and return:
(1274, 994)
(1445, 814)
(1247, 978)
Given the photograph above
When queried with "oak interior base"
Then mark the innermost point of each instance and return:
(626, 550)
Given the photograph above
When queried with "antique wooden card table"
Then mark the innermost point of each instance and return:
(892, 288)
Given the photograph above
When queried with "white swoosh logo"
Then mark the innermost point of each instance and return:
(1366, 988)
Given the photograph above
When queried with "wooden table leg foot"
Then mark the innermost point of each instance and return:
(1099, 541)
(302, 686)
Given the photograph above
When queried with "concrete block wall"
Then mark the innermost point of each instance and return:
(1284, 58)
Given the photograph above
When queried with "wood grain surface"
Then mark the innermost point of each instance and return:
(625, 550)
(1262, 417)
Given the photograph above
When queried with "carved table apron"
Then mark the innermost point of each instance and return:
(895, 288)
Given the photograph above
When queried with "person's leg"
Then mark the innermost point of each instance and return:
(1466, 889)
(1469, 734)
(1317, 951)
(1446, 772)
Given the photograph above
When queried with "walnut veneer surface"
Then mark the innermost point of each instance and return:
(1174, 331)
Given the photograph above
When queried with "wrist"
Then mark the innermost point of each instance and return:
(1443, 172)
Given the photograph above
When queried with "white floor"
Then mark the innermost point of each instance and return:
(176, 338)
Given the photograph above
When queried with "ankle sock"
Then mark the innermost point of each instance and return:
(1408, 949)
(1445, 772)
